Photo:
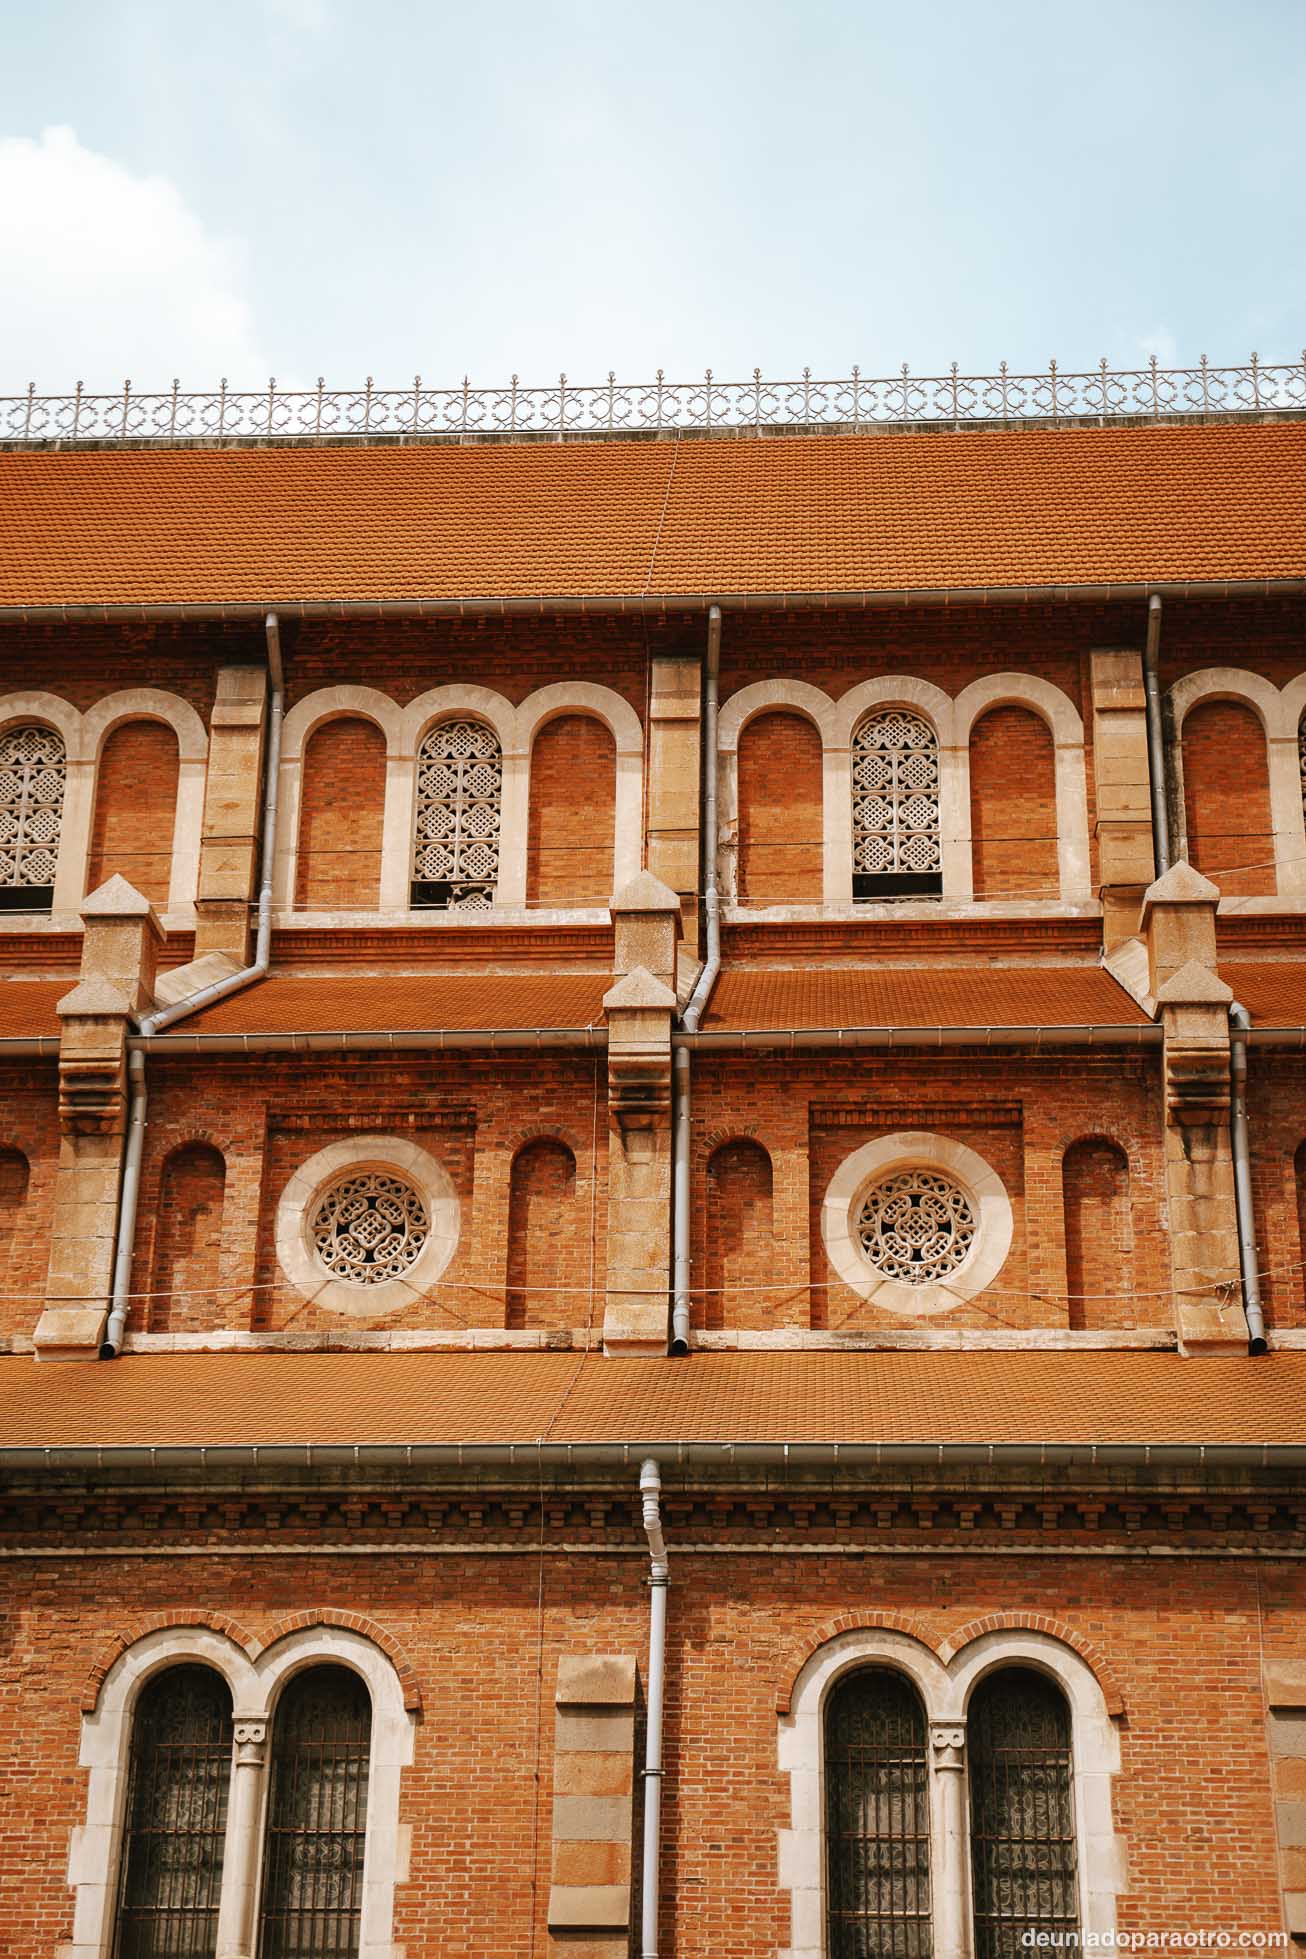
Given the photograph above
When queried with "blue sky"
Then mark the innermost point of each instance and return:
(307, 187)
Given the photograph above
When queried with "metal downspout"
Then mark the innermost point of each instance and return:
(1156, 769)
(152, 1023)
(1239, 1027)
(698, 999)
(650, 1489)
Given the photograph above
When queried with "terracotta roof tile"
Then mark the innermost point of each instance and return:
(27, 1007)
(811, 513)
(994, 996)
(1273, 993)
(407, 1002)
(988, 1397)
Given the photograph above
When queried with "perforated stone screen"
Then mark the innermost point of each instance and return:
(370, 1227)
(897, 849)
(916, 1227)
(459, 809)
(32, 775)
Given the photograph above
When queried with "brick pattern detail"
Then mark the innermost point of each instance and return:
(1013, 806)
(571, 825)
(135, 809)
(548, 1239)
(339, 867)
(188, 1241)
(740, 1252)
(801, 1652)
(134, 1630)
(1088, 1651)
(780, 811)
(352, 1622)
(1227, 798)
(1099, 1235)
(28, 1167)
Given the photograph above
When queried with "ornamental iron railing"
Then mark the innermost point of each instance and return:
(856, 401)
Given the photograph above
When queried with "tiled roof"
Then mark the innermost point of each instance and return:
(393, 1002)
(425, 1398)
(1273, 993)
(926, 510)
(27, 1007)
(993, 996)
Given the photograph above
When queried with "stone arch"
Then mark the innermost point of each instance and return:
(36, 707)
(921, 697)
(305, 718)
(603, 704)
(795, 697)
(800, 1652)
(338, 849)
(571, 813)
(355, 1622)
(447, 703)
(105, 720)
(1064, 722)
(140, 1629)
(1051, 1628)
(1224, 781)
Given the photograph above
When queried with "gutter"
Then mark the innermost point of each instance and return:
(345, 1039)
(681, 1263)
(800, 1039)
(650, 1489)
(1156, 769)
(1239, 1025)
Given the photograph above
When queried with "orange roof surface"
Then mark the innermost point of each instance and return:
(861, 996)
(1274, 994)
(838, 513)
(27, 1007)
(1103, 1397)
(393, 1002)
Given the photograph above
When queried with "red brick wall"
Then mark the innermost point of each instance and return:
(1013, 805)
(548, 1239)
(780, 811)
(739, 1251)
(1099, 1235)
(573, 792)
(1227, 798)
(135, 809)
(1276, 1112)
(340, 820)
(188, 1241)
(28, 1161)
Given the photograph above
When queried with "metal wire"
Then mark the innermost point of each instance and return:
(1021, 1813)
(171, 1871)
(877, 1819)
(317, 1818)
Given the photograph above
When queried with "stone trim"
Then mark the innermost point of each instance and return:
(909, 1149)
(299, 1263)
(1279, 711)
(593, 1800)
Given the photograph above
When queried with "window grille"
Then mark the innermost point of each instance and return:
(1301, 756)
(897, 851)
(317, 1818)
(171, 1871)
(1021, 1812)
(916, 1227)
(459, 805)
(877, 1819)
(33, 771)
(370, 1228)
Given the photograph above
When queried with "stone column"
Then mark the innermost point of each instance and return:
(119, 952)
(640, 1009)
(675, 728)
(230, 841)
(243, 1840)
(1123, 828)
(948, 1766)
(593, 1807)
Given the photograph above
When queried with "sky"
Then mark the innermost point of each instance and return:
(344, 188)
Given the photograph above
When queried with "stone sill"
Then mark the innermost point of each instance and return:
(917, 911)
(439, 921)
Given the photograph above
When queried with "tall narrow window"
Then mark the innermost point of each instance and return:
(176, 1817)
(877, 1819)
(459, 800)
(1022, 1826)
(317, 1818)
(897, 849)
(32, 775)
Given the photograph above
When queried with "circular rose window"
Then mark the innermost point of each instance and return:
(917, 1227)
(370, 1228)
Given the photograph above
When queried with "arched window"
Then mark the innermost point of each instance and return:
(317, 1817)
(176, 1817)
(459, 805)
(897, 848)
(877, 1818)
(1022, 1826)
(33, 772)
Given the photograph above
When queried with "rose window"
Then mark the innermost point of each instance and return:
(897, 850)
(459, 800)
(916, 1227)
(32, 775)
(370, 1228)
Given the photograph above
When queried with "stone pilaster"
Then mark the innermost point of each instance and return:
(1178, 923)
(229, 846)
(1123, 828)
(675, 733)
(948, 1761)
(593, 1807)
(119, 952)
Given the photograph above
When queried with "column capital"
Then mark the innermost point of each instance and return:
(948, 1744)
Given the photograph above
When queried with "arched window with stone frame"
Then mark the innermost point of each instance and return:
(877, 1818)
(1022, 1822)
(897, 834)
(458, 819)
(33, 778)
(316, 1835)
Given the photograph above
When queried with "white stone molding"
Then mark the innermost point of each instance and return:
(255, 1685)
(153, 704)
(1282, 768)
(907, 1150)
(945, 1693)
(303, 1269)
(772, 697)
(447, 704)
(300, 725)
(619, 717)
(1038, 696)
(929, 701)
(52, 711)
(1288, 790)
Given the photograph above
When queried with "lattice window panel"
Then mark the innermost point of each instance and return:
(1301, 756)
(877, 1819)
(370, 1227)
(317, 1818)
(895, 793)
(916, 1227)
(459, 811)
(1022, 1826)
(33, 772)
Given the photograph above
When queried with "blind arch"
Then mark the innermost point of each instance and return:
(1022, 1824)
(877, 1828)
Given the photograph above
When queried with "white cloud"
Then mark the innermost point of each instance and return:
(110, 276)
(1161, 342)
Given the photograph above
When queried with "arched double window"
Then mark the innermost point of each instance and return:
(33, 775)
(1022, 1826)
(877, 1809)
(170, 1881)
(312, 1892)
(459, 815)
(897, 840)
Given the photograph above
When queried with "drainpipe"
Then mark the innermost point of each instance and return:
(1156, 769)
(650, 1489)
(1239, 1026)
(698, 999)
(152, 1023)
